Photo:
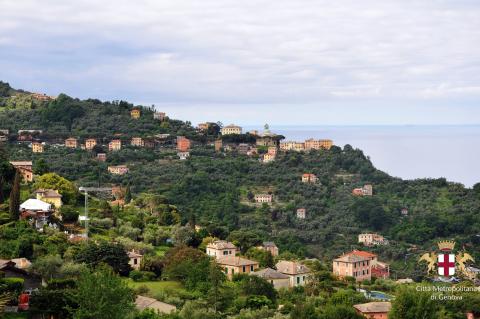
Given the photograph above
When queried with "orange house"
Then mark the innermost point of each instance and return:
(236, 265)
(71, 142)
(374, 310)
(183, 144)
(37, 147)
(356, 264)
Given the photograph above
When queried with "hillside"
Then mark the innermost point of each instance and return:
(213, 188)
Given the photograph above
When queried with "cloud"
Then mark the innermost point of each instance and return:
(252, 52)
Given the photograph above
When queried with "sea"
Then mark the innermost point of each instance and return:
(406, 151)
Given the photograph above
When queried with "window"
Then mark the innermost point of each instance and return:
(243, 269)
(135, 261)
(251, 268)
(303, 278)
(225, 252)
(298, 280)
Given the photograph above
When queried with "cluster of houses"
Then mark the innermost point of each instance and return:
(372, 239)
(365, 190)
(287, 273)
(307, 145)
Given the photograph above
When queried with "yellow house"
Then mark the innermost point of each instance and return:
(37, 147)
(135, 113)
(50, 196)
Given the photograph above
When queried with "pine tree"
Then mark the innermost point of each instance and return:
(15, 197)
(128, 195)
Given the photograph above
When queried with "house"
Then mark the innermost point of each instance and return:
(142, 303)
(25, 169)
(118, 169)
(134, 259)
(374, 310)
(272, 150)
(231, 129)
(292, 146)
(183, 155)
(183, 144)
(159, 116)
(267, 158)
(263, 198)
(90, 143)
(297, 272)
(4, 132)
(252, 151)
(149, 143)
(372, 239)
(13, 269)
(28, 135)
(270, 247)
(135, 113)
(42, 97)
(218, 145)
(236, 265)
(137, 141)
(221, 248)
(267, 138)
(277, 279)
(22, 263)
(361, 265)
(366, 190)
(203, 126)
(114, 145)
(37, 147)
(312, 144)
(49, 196)
(243, 148)
(404, 211)
(36, 210)
(301, 213)
(102, 157)
(309, 178)
(71, 142)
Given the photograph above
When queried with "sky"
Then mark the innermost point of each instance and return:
(344, 62)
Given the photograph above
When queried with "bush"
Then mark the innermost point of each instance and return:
(69, 214)
(138, 275)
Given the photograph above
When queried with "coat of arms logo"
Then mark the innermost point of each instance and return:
(446, 262)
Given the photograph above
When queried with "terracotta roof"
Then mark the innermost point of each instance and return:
(362, 253)
(269, 244)
(142, 303)
(132, 254)
(269, 273)
(21, 163)
(48, 193)
(221, 244)
(235, 261)
(356, 256)
(374, 307)
(291, 268)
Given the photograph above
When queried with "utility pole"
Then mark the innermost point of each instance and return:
(85, 191)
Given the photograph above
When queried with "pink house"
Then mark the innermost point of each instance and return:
(374, 310)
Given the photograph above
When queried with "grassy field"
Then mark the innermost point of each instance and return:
(156, 287)
(161, 250)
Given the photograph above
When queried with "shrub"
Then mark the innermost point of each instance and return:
(138, 275)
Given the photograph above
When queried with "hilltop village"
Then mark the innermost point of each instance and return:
(207, 221)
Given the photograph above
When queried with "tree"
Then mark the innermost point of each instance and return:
(7, 175)
(410, 304)
(47, 266)
(128, 195)
(40, 167)
(69, 214)
(102, 294)
(256, 286)
(15, 197)
(62, 185)
(114, 255)
(340, 312)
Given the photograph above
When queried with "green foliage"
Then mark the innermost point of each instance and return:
(411, 304)
(63, 186)
(139, 275)
(102, 294)
(15, 197)
(114, 255)
(69, 214)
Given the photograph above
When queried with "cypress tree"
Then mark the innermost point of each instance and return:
(128, 195)
(15, 197)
